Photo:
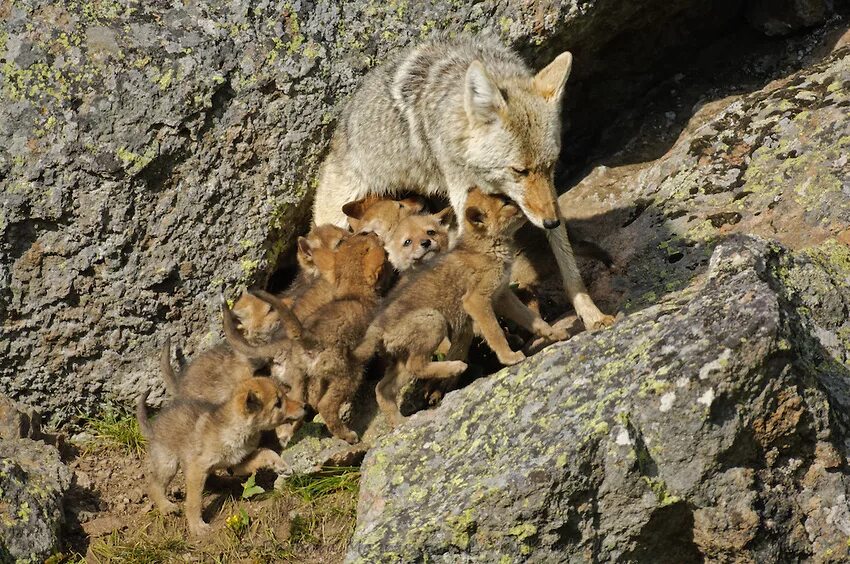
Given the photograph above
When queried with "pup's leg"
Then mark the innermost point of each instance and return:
(339, 390)
(459, 350)
(576, 292)
(260, 458)
(480, 309)
(386, 392)
(162, 466)
(196, 476)
(286, 431)
(509, 305)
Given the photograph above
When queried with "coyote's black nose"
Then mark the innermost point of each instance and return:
(551, 223)
(425, 243)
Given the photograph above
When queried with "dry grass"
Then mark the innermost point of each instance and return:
(310, 521)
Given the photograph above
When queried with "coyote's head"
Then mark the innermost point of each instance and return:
(514, 135)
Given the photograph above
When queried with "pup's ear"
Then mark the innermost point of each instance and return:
(355, 209)
(446, 216)
(304, 247)
(253, 404)
(551, 80)
(475, 216)
(413, 203)
(482, 99)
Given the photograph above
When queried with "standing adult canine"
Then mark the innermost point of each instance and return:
(445, 116)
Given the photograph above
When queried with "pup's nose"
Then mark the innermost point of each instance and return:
(551, 223)
(425, 243)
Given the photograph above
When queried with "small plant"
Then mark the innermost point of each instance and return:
(328, 481)
(115, 429)
(250, 488)
(238, 522)
(145, 550)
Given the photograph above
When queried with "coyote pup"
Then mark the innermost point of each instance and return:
(201, 437)
(419, 238)
(318, 351)
(434, 305)
(448, 115)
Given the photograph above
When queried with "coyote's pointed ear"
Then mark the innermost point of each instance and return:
(414, 203)
(551, 80)
(355, 209)
(482, 99)
(304, 247)
(475, 217)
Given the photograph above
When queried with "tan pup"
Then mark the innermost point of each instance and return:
(379, 215)
(418, 238)
(257, 320)
(201, 437)
(435, 305)
(318, 351)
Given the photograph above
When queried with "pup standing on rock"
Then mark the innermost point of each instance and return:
(432, 307)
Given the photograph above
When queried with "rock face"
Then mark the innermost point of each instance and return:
(711, 425)
(33, 482)
(153, 154)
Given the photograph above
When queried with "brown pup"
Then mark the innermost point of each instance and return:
(435, 305)
(257, 320)
(201, 437)
(318, 351)
(379, 215)
(418, 238)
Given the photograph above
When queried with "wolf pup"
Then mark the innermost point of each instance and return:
(434, 305)
(320, 367)
(447, 115)
(201, 437)
(418, 238)
(257, 320)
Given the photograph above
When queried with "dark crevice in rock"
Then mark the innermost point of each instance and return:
(667, 536)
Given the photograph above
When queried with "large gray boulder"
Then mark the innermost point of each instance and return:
(33, 482)
(712, 425)
(153, 154)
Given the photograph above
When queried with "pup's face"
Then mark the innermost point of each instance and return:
(256, 318)
(515, 139)
(378, 215)
(320, 237)
(263, 405)
(492, 215)
(418, 238)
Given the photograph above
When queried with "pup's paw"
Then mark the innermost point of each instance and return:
(349, 436)
(455, 367)
(510, 358)
(199, 529)
(169, 509)
(550, 333)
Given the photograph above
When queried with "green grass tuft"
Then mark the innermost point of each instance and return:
(143, 551)
(330, 480)
(115, 429)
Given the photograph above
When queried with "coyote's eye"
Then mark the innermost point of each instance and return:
(407, 242)
(431, 233)
(519, 171)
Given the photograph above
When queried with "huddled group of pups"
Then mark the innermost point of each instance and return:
(462, 121)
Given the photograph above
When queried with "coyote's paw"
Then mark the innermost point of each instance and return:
(199, 529)
(511, 357)
(600, 322)
(349, 436)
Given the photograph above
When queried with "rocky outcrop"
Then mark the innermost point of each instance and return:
(33, 482)
(154, 154)
(710, 425)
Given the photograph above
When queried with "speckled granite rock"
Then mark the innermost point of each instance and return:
(33, 482)
(713, 425)
(153, 154)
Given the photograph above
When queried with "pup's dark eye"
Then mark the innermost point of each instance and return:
(431, 232)
(278, 403)
(407, 243)
(519, 171)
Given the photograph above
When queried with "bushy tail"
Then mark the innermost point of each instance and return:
(168, 375)
(142, 416)
(371, 340)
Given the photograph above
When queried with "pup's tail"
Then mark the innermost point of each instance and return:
(237, 340)
(142, 415)
(167, 371)
(369, 344)
(290, 322)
